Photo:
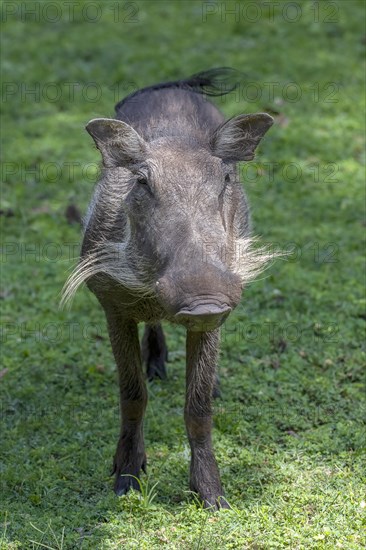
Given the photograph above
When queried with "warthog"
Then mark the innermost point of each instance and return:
(167, 237)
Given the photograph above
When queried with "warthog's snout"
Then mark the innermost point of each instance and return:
(199, 298)
(203, 316)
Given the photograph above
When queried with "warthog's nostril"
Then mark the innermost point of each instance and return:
(203, 316)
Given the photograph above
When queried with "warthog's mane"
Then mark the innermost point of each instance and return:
(213, 83)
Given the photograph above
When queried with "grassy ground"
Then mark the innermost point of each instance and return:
(289, 429)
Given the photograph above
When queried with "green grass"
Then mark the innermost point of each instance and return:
(289, 430)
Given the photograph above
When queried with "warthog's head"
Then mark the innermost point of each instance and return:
(186, 221)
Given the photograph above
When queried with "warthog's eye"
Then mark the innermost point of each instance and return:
(142, 180)
(143, 183)
(227, 178)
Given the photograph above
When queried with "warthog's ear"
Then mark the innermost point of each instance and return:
(118, 142)
(238, 138)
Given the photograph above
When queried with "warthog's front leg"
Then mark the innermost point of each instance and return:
(130, 454)
(202, 351)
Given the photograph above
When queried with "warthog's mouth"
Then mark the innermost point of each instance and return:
(202, 317)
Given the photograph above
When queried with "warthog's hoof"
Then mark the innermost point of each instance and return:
(129, 459)
(126, 480)
(211, 494)
(213, 502)
(220, 503)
